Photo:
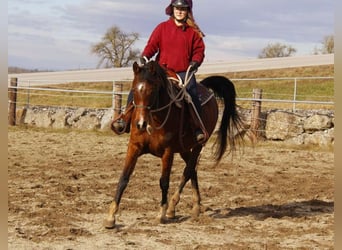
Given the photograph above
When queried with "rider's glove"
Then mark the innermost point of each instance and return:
(143, 60)
(193, 66)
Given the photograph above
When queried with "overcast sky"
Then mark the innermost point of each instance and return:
(57, 35)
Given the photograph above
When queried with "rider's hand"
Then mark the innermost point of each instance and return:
(143, 60)
(193, 65)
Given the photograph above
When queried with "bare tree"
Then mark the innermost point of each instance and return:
(327, 46)
(277, 50)
(115, 48)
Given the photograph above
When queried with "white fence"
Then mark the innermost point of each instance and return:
(293, 98)
(250, 111)
(322, 100)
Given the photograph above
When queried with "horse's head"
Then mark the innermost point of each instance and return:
(148, 80)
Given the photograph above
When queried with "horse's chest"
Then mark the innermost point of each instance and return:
(157, 143)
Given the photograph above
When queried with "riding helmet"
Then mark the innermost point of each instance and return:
(178, 3)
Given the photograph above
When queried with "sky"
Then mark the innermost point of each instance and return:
(58, 35)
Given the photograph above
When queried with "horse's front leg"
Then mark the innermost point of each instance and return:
(190, 172)
(130, 162)
(167, 160)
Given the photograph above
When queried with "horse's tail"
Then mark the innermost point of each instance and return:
(231, 124)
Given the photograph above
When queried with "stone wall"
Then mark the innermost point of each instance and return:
(305, 127)
(61, 118)
(314, 127)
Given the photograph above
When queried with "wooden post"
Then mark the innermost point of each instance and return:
(12, 96)
(256, 111)
(117, 99)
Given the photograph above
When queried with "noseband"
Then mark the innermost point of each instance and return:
(141, 106)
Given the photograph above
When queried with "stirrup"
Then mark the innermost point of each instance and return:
(119, 126)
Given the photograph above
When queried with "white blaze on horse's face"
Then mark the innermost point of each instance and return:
(142, 106)
(140, 86)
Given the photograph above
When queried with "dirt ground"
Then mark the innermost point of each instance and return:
(60, 185)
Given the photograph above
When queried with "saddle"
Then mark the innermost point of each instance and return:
(181, 99)
(177, 84)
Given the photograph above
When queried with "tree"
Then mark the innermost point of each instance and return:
(277, 50)
(115, 48)
(327, 46)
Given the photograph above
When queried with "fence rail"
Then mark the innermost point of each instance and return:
(296, 83)
(116, 92)
(286, 101)
(116, 97)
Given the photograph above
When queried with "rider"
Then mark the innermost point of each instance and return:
(177, 43)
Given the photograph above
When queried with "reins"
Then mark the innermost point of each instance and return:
(180, 96)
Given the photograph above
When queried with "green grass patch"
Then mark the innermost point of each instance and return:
(307, 89)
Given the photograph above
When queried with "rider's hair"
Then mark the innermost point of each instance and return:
(192, 23)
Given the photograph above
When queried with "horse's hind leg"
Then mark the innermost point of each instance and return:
(196, 197)
(130, 162)
(190, 172)
(171, 211)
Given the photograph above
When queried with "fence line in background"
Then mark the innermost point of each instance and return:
(12, 102)
(117, 97)
(295, 88)
(286, 101)
(113, 93)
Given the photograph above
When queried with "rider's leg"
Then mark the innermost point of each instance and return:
(192, 90)
(123, 124)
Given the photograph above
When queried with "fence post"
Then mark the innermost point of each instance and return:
(117, 99)
(294, 95)
(256, 111)
(28, 95)
(12, 96)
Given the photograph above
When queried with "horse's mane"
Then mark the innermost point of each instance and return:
(155, 73)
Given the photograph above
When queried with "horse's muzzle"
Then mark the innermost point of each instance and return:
(141, 125)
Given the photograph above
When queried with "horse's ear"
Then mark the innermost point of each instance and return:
(136, 68)
(152, 67)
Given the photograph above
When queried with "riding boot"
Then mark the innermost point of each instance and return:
(192, 90)
(122, 123)
(199, 134)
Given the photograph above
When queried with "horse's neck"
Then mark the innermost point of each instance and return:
(172, 88)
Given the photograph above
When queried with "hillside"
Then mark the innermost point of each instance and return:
(309, 71)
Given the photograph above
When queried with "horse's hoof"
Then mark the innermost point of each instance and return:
(161, 220)
(171, 214)
(196, 212)
(109, 224)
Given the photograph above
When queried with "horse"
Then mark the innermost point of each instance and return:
(160, 126)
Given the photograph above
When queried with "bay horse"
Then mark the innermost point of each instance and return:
(160, 126)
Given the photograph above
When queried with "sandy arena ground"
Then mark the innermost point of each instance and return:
(60, 185)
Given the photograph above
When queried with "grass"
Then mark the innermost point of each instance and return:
(307, 89)
(70, 99)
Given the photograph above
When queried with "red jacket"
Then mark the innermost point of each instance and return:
(177, 47)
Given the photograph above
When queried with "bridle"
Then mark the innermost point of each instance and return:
(173, 99)
(154, 102)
